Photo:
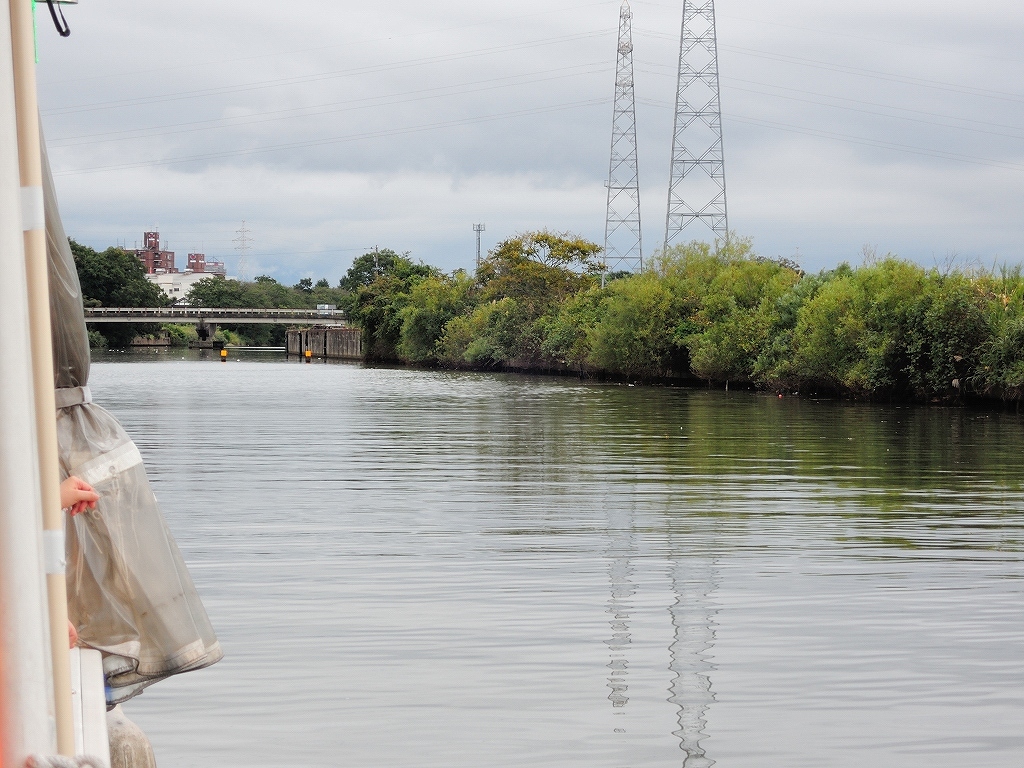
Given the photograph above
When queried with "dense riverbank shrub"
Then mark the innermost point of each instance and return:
(180, 335)
(718, 314)
(97, 340)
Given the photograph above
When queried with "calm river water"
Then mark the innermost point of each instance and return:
(460, 570)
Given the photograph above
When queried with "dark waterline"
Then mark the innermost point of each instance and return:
(459, 569)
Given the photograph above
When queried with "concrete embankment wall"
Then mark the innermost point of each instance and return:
(338, 343)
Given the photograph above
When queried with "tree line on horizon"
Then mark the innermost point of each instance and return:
(719, 314)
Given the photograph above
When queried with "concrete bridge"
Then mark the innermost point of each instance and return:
(206, 316)
(209, 318)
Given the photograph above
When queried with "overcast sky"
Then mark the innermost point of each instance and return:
(331, 127)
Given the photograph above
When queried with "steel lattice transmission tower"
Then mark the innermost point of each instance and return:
(478, 228)
(623, 246)
(696, 188)
(243, 248)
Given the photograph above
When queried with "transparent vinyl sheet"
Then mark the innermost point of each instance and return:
(129, 593)
(67, 321)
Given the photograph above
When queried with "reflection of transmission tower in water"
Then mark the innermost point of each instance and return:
(621, 550)
(696, 188)
(622, 239)
(243, 248)
(692, 618)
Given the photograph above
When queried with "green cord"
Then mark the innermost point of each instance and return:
(35, 31)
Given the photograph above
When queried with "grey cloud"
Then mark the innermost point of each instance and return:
(331, 127)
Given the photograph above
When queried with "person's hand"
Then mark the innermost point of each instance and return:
(72, 635)
(77, 495)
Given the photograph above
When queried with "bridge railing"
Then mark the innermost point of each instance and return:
(212, 313)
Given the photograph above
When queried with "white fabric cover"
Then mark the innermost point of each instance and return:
(129, 593)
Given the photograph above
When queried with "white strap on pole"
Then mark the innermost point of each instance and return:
(33, 214)
(53, 551)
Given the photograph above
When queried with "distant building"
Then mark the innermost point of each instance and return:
(160, 267)
(160, 261)
(197, 263)
(153, 256)
(177, 284)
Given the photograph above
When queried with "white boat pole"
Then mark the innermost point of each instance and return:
(27, 724)
(30, 162)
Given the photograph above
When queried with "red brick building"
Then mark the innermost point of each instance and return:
(153, 256)
(197, 263)
(159, 261)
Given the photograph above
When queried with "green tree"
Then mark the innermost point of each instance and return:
(723, 309)
(220, 292)
(736, 316)
(774, 365)
(566, 334)
(487, 337)
(633, 335)
(1000, 368)
(535, 272)
(433, 301)
(539, 268)
(116, 278)
(370, 266)
(825, 341)
(947, 336)
(377, 307)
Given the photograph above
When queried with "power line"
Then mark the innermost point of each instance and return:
(324, 109)
(864, 141)
(922, 120)
(352, 72)
(305, 51)
(860, 140)
(923, 113)
(877, 74)
(823, 31)
(861, 71)
(337, 139)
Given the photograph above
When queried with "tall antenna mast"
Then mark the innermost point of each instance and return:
(243, 248)
(622, 240)
(478, 228)
(696, 188)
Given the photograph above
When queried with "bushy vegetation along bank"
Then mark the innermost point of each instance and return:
(888, 328)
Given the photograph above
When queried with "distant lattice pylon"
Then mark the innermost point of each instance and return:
(244, 245)
(696, 190)
(623, 247)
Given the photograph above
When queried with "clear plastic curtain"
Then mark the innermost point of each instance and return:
(129, 593)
